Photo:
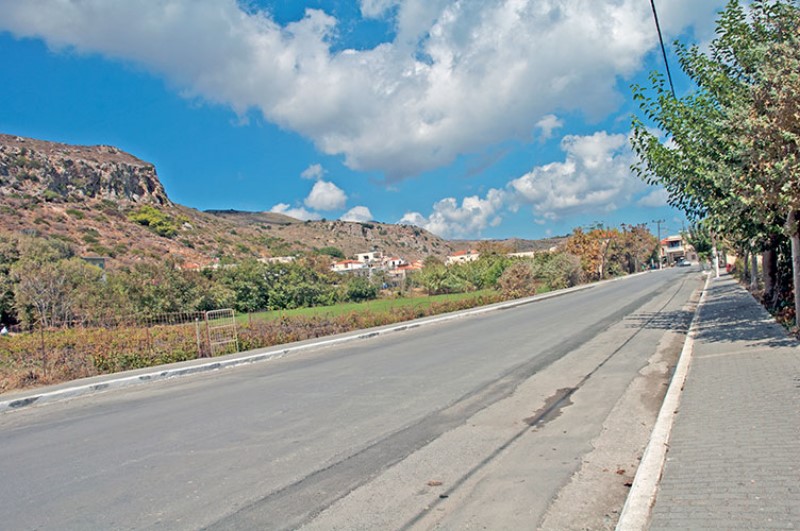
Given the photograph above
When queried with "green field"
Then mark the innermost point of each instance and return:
(374, 306)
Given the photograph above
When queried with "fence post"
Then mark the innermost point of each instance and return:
(44, 350)
(197, 334)
(149, 340)
(208, 335)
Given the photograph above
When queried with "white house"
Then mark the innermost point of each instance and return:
(393, 262)
(348, 265)
(368, 257)
(462, 256)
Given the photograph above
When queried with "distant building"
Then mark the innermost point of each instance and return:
(526, 254)
(675, 249)
(366, 258)
(278, 260)
(348, 265)
(97, 261)
(402, 271)
(459, 257)
(392, 262)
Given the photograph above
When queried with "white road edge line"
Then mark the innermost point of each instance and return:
(21, 401)
(635, 514)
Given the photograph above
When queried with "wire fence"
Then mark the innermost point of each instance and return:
(86, 347)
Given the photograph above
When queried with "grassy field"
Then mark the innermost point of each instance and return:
(373, 306)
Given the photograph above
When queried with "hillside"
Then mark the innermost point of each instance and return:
(106, 202)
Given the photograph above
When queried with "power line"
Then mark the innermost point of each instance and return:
(663, 48)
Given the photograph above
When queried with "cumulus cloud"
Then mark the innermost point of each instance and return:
(457, 77)
(315, 171)
(449, 219)
(297, 213)
(593, 177)
(359, 213)
(325, 196)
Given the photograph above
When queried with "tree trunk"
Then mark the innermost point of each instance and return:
(714, 255)
(745, 272)
(793, 227)
(753, 271)
(770, 269)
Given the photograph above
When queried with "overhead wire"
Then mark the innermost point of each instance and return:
(663, 48)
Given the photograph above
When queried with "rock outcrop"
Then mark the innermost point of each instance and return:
(55, 171)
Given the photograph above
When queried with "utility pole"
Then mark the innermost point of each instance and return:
(658, 223)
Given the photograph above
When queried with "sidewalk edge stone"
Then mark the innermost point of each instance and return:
(635, 515)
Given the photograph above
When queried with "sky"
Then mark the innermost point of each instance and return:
(470, 118)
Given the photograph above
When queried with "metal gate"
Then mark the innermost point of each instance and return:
(221, 331)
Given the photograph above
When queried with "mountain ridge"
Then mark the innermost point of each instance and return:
(106, 202)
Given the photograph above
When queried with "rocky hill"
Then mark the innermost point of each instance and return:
(76, 173)
(109, 203)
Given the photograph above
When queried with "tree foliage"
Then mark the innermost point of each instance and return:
(605, 252)
(730, 154)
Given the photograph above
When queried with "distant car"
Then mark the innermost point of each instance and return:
(684, 263)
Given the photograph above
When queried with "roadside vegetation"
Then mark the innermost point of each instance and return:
(728, 151)
(70, 319)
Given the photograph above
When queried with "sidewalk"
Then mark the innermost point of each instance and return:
(734, 449)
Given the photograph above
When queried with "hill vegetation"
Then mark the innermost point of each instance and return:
(104, 202)
(167, 264)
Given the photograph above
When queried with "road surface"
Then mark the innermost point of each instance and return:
(416, 429)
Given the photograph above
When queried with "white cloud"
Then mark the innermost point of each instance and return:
(458, 76)
(315, 171)
(655, 198)
(359, 213)
(326, 196)
(297, 213)
(548, 125)
(376, 8)
(451, 220)
(594, 176)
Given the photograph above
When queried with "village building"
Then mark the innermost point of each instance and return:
(460, 257)
(344, 266)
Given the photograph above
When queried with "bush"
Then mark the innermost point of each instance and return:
(155, 220)
(517, 281)
(334, 252)
(359, 289)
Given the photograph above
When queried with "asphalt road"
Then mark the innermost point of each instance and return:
(273, 445)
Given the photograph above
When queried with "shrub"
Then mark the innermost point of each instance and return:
(155, 220)
(517, 280)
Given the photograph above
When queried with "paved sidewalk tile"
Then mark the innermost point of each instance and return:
(734, 454)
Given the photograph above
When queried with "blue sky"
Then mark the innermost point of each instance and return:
(473, 119)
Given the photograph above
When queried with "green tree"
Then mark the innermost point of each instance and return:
(358, 289)
(637, 246)
(9, 254)
(729, 157)
(155, 288)
(557, 270)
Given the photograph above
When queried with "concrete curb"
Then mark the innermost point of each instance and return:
(97, 384)
(635, 515)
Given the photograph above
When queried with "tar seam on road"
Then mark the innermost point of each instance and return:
(322, 488)
(635, 515)
(539, 419)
